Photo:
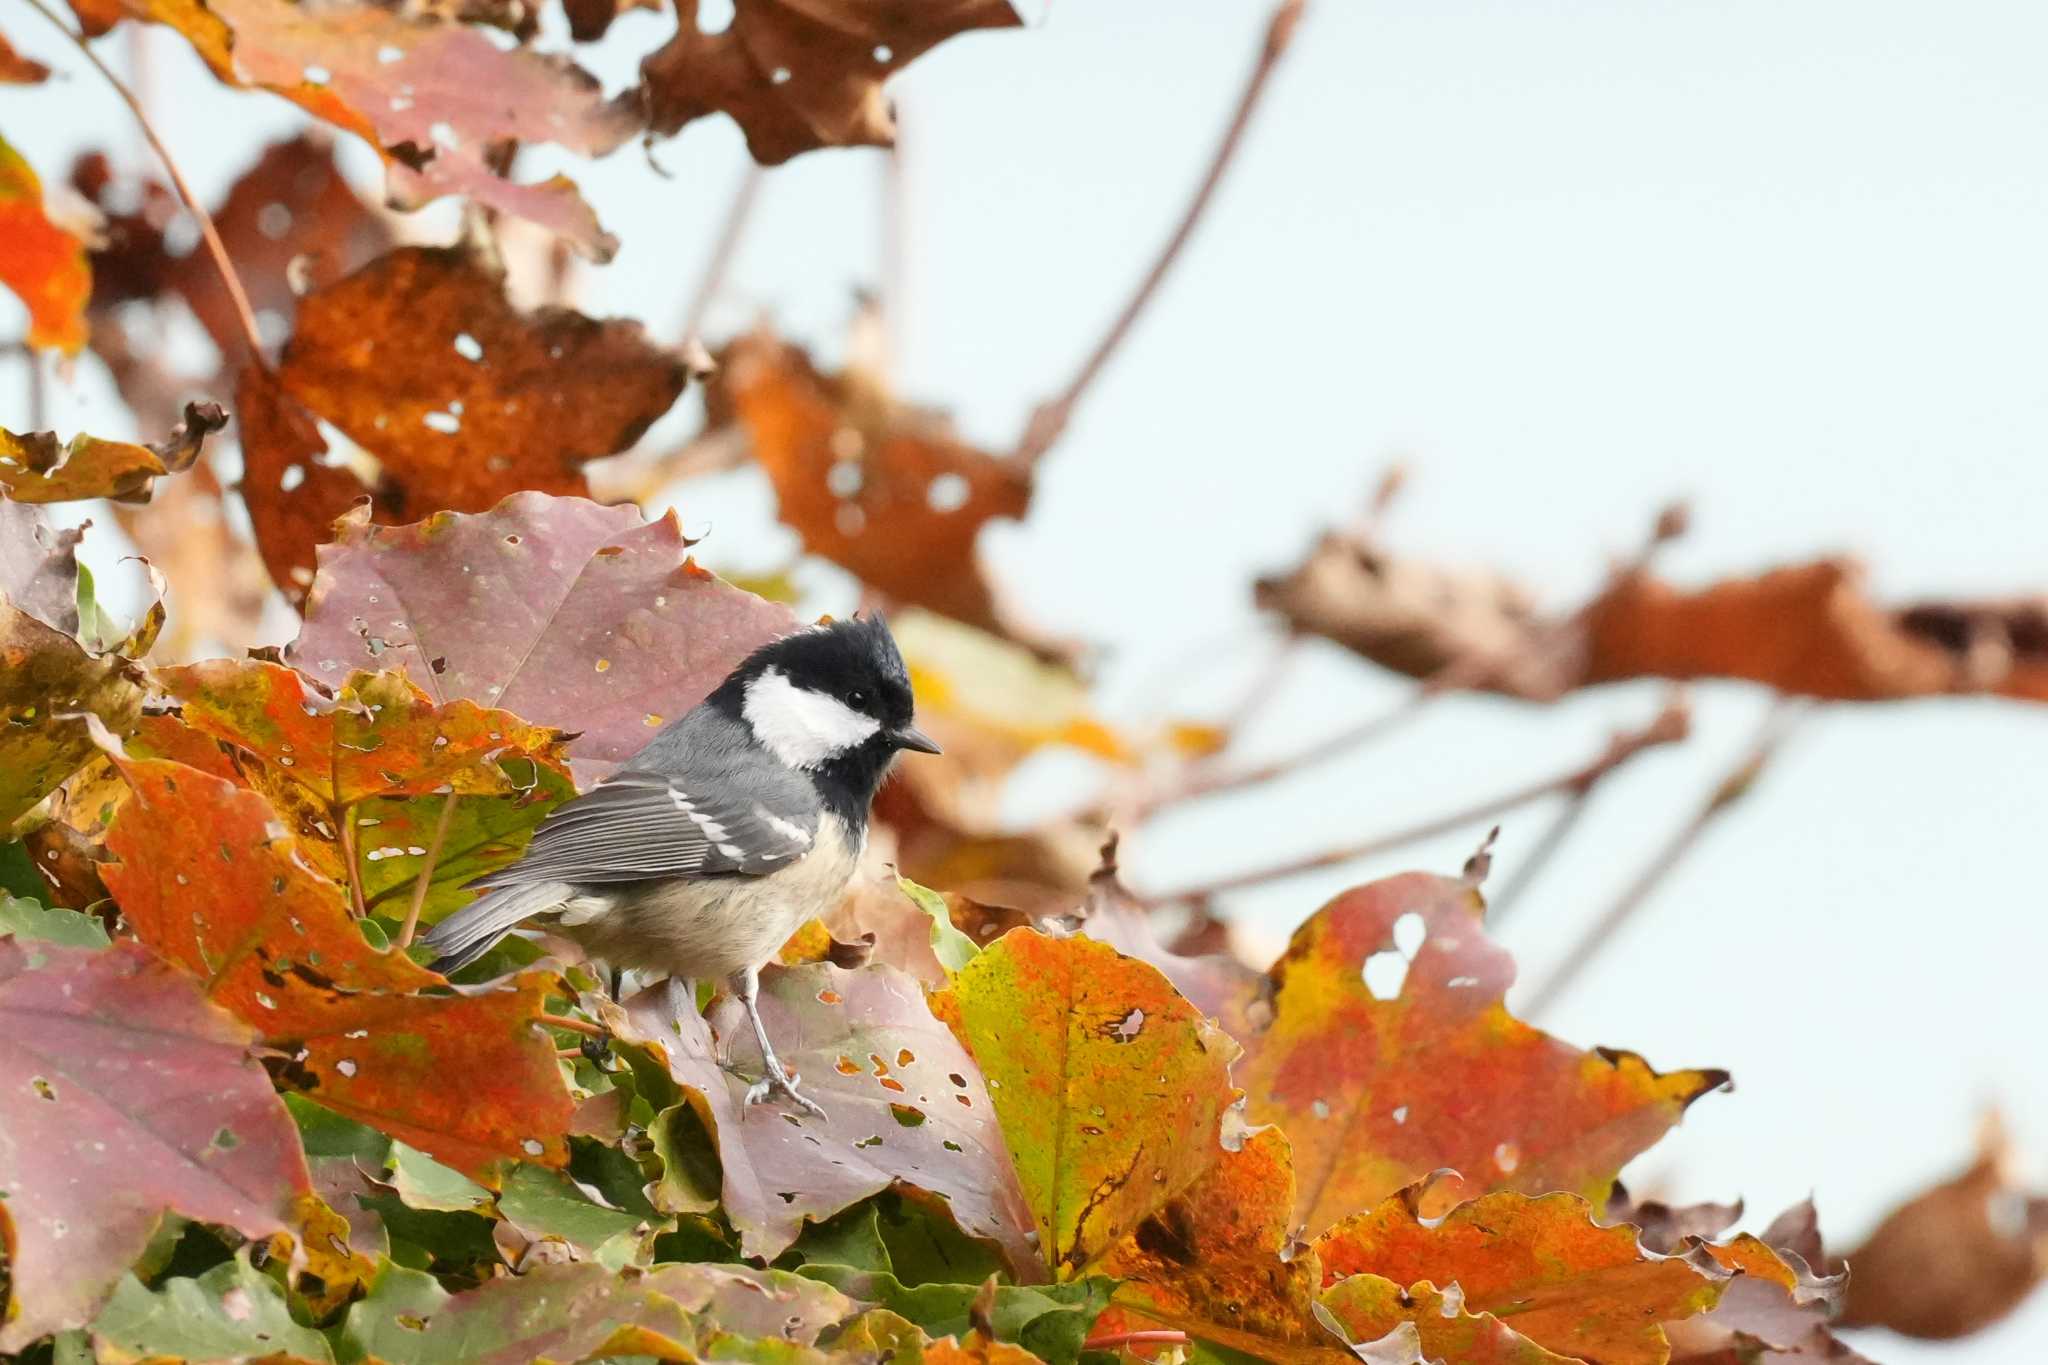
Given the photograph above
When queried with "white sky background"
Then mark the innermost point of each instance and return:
(1566, 261)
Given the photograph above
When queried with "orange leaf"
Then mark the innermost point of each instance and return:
(1423, 1323)
(34, 468)
(16, 69)
(209, 878)
(884, 490)
(1574, 1287)
(1377, 1093)
(40, 261)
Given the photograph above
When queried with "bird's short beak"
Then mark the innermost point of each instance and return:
(910, 737)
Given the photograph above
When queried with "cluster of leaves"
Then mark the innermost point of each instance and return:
(243, 1120)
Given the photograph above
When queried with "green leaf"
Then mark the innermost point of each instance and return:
(390, 1320)
(324, 1133)
(18, 870)
(455, 1240)
(690, 1173)
(424, 1183)
(953, 948)
(852, 1239)
(230, 1312)
(544, 1203)
(25, 919)
(99, 631)
(1049, 1320)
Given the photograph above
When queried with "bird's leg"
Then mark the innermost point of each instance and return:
(618, 983)
(746, 985)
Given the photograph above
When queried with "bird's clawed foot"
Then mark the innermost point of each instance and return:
(598, 1052)
(777, 1083)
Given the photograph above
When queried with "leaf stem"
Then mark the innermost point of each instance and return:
(1671, 725)
(419, 887)
(1111, 1340)
(582, 1026)
(230, 280)
(1553, 838)
(347, 822)
(1049, 421)
(1779, 722)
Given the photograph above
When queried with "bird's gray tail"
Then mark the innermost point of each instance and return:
(468, 934)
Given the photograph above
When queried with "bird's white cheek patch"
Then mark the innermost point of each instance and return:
(801, 727)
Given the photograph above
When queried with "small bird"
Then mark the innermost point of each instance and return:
(736, 824)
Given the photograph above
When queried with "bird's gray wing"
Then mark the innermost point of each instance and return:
(639, 825)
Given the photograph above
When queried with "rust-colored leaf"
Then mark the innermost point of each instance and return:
(802, 74)
(433, 98)
(39, 261)
(294, 490)
(1576, 1288)
(569, 614)
(1956, 1259)
(1387, 1324)
(1110, 1086)
(1217, 1262)
(1378, 1090)
(211, 880)
(16, 69)
(35, 468)
(883, 489)
(125, 1094)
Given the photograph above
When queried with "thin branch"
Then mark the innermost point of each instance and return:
(419, 887)
(1555, 834)
(1050, 419)
(1467, 671)
(230, 280)
(1778, 723)
(348, 858)
(1112, 1340)
(895, 248)
(582, 1026)
(1671, 725)
(737, 216)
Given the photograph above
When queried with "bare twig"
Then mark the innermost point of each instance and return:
(230, 280)
(1671, 725)
(1467, 671)
(349, 861)
(1050, 419)
(582, 1026)
(1779, 722)
(1553, 838)
(737, 216)
(895, 302)
(426, 877)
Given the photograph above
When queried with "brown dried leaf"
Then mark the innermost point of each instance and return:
(1957, 1258)
(802, 74)
(16, 69)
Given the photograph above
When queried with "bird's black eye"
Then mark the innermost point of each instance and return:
(856, 698)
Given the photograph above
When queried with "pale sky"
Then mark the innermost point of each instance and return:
(1567, 262)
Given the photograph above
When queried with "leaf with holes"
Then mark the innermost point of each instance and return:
(569, 614)
(1110, 1087)
(42, 263)
(1387, 1324)
(231, 1312)
(1570, 1285)
(882, 489)
(903, 1102)
(209, 878)
(1215, 1261)
(379, 758)
(126, 1094)
(584, 1311)
(1385, 1064)
(800, 74)
(432, 98)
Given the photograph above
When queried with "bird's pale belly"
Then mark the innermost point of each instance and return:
(713, 927)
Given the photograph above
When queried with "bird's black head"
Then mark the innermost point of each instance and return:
(833, 700)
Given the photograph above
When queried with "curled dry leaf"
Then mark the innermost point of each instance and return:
(1956, 1259)
(1808, 629)
(127, 1094)
(49, 677)
(1581, 1290)
(1111, 1088)
(802, 74)
(433, 98)
(39, 565)
(883, 489)
(209, 878)
(42, 263)
(569, 614)
(35, 468)
(1385, 1063)
(904, 1105)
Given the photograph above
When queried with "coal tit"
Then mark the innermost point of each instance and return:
(736, 824)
